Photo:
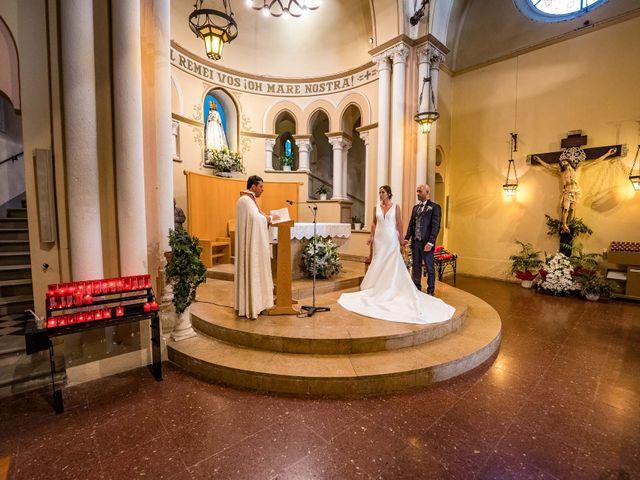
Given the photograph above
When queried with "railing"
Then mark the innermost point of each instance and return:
(12, 158)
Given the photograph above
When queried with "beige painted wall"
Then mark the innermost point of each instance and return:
(588, 83)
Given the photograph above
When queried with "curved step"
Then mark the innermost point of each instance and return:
(348, 374)
(340, 331)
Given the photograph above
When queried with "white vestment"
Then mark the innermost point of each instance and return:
(253, 282)
(214, 137)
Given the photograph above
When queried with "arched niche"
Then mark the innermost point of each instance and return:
(9, 73)
(321, 158)
(229, 112)
(285, 128)
(356, 160)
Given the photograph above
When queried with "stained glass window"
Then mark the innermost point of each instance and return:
(287, 148)
(557, 10)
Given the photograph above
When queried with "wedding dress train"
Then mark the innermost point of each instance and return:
(387, 291)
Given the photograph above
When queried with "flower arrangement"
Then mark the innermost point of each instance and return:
(327, 260)
(558, 279)
(223, 160)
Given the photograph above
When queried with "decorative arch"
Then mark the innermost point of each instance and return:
(272, 114)
(231, 111)
(177, 98)
(327, 108)
(358, 100)
(10, 71)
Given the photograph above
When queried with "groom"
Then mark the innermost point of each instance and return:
(422, 231)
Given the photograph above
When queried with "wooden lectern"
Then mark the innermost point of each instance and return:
(284, 300)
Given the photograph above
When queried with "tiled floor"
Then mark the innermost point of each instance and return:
(561, 400)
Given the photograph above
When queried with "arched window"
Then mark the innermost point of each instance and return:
(557, 10)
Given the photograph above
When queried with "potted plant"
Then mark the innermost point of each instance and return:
(223, 161)
(322, 191)
(525, 264)
(584, 263)
(357, 222)
(594, 287)
(185, 272)
(287, 163)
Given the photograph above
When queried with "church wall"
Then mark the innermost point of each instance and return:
(257, 114)
(587, 83)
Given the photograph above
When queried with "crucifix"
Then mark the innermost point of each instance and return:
(568, 161)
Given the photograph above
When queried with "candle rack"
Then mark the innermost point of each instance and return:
(80, 306)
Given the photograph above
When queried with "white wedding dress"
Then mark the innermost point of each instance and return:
(387, 291)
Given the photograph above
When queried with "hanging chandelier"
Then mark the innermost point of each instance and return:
(635, 178)
(277, 8)
(426, 118)
(510, 186)
(214, 27)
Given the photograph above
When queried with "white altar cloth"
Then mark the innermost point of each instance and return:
(300, 231)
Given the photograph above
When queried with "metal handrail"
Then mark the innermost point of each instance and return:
(12, 158)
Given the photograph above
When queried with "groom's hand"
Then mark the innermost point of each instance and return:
(428, 247)
(404, 243)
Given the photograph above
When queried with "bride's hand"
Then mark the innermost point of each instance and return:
(404, 243)
(369, 242)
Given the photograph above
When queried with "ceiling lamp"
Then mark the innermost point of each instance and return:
(510, 186)
(215, 27)
(426, 118)
(635, 179)
(277, 8)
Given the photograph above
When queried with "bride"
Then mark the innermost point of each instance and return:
(387, 291)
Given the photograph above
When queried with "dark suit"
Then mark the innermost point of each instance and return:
(429, 221)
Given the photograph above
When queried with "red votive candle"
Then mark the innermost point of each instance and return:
(147, 307)
(119, 311)
(154, 305)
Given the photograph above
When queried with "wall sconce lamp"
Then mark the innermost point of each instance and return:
(635, 179)
(510, 186)
(214, 27)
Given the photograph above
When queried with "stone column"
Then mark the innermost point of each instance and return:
(338, 143)
(365, 138)
(345, 162)
(384, 76)
(399, 54)
(175, 132)
(304, 149)
(269, 143)
(127, 109)
(421, 153)
(80, 139)
(166, 128)
(436, 57)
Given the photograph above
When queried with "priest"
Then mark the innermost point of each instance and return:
(253, 282)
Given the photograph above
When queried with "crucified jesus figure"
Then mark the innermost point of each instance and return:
(570, 160)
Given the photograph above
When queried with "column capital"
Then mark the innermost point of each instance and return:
(399, 53)
(304, 144)
(365, 137)
(269, 143)
(430, 53)
(339, 140)
(382, 61)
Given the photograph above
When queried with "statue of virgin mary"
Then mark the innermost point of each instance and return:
(214, 137)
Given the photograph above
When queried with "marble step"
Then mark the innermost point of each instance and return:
(14, 245)
(16, 212)
(15, 304)
(335, 332)
(14, 258)
(14, 234)
(13, 223)
(16, 287)
(15, 272)
(346, 374)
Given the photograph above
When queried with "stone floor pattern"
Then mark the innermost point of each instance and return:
(560, 400)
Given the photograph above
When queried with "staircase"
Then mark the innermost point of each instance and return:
(18, 371)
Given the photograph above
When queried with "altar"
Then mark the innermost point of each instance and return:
(300, 232)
